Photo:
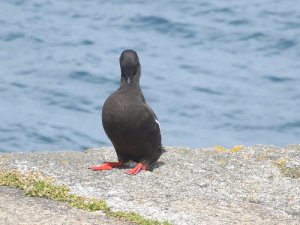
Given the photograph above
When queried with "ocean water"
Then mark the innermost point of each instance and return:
(215, 72)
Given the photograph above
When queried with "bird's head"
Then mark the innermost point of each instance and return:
(130, 65)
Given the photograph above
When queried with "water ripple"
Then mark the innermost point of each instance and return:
(284, 44)
(90, 78)
(278, 79)
(12, 36)
(163, 25)
(207, 91)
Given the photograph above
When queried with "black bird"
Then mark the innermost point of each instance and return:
(129, 122)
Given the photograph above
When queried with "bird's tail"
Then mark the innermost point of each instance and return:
(163, 150)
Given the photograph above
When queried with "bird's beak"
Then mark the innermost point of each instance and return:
(128, 75)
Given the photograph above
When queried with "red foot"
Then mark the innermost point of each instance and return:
(107, 166)
(136, 169)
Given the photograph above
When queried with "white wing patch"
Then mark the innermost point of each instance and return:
(157, 123)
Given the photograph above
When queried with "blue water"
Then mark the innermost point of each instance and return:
(215, 72)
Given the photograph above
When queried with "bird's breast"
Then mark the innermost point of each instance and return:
(120, 113)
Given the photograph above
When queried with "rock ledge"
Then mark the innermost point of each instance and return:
(258, 184)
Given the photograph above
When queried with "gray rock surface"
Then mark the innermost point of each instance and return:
(187, 186)
(17, 209)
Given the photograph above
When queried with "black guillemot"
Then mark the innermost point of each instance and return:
(129, 122)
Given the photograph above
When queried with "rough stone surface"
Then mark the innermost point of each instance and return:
(187, 186)
(17, 209)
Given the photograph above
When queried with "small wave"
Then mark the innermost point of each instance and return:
(290, 125)
(25, 72)
(42, 138)
(239, 22)
(222, 10)
(194, 69)
(75, 107)
(87, 42)
(90, 78)
(284, 44)
(163, 25)
(19, 85)
(207, 91)
(93, 140)
(253, 36)
(277, 79)
(12, 36)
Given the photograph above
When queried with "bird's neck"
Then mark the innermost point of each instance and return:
(135, 81)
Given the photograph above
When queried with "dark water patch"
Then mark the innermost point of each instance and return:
(194, 106)
(252, 36)
(4, 151)
(76, 16)
(42, 138)
(98, 107)
(177, 92)
(58, 127)
(90, 78)
(222, 10)
(80, 16)
(85, 101)
(12, 36)
(290, 125)
(207, 91)
(87, 42)
(75, 107)
(8, 139)
(57, 94)
(239, 22)
(64, 138)
(277, 48)
(291, 24)
(3, 89)
(115, 50)
(25, 72)
(36, 39)
(264, 13)
(249, 127)
(19, 85)
(52, 102)
(55, 98)
(197, 43)
(13, 127)
(225, 10)
(188, 114)
(234, 114)
(93, 57)
(295, 97)
(284, 44)
(240, 66)
(93, 140)
(159, 78)
(66, 44)
(278, 79)
(115, 18)
(163, 25)
(194, 69)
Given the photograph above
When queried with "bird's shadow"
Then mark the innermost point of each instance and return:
(156, 165)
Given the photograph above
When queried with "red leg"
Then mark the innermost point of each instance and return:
(136, 169)
(107, 166)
